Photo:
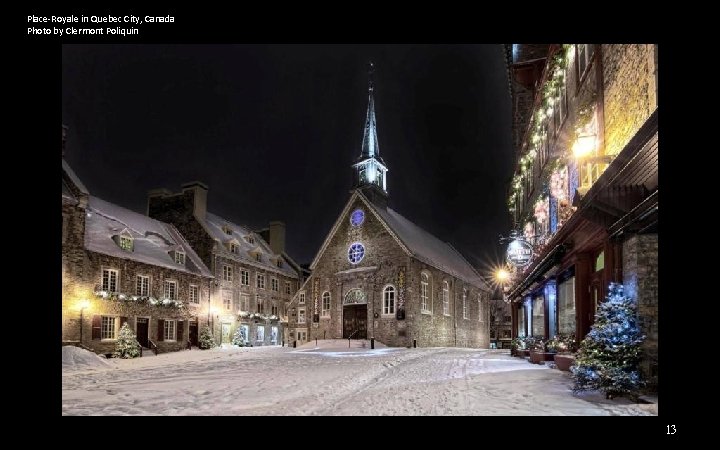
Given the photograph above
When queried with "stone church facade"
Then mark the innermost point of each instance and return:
(378, 275)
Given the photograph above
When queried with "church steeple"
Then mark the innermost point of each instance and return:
(370, 170)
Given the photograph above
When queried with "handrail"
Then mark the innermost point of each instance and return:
(351, 335)
(153, 346)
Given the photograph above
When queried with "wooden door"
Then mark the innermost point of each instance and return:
(355, 322)
(194, 333)
(142, 330)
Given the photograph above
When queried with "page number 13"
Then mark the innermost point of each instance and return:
(671, 429)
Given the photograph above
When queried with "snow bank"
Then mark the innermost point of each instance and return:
(76, 358)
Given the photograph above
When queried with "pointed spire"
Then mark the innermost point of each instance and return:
(370, 146)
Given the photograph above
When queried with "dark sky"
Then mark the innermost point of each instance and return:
(273, 130)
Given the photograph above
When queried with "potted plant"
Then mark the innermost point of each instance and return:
(520, 346)
(539, 353)
(564, 346)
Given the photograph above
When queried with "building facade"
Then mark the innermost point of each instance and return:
(119, 267)
(378, 275)
(585, 188)
(254, 276)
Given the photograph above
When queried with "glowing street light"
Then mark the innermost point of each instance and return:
(502, 275)
(584, 146)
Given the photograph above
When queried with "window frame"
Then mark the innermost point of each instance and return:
(274, 284)
(245, 302)
(180, 258)
(325, 309)
(116, 274)
(115, 328)
(139, 282)
(301, 315)
(301, 298)
(446, 297)
(227, 273)
(126, 243)
(389, 300)
(227, 299)
(464, 304)
(588, 57)
(425, 293)
(258, 277)
(166, 285)
(196, 289)
(244, 277)
(288, 288)
(170, 325)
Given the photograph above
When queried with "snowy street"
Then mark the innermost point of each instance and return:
(286, 381)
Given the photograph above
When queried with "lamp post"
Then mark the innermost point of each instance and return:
(83, 304)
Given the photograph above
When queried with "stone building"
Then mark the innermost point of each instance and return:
(585, 188)
(120, 266)
(254, 276)
(378, 275)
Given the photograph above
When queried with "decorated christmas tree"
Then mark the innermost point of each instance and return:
(206, 339)
(126, 345)
(239, 338)
(609, 355)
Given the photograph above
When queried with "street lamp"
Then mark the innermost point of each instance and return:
(83, 305)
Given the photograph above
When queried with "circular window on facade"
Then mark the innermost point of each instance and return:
(356, 253)
(357, 217)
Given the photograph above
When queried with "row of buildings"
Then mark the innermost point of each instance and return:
(585, 187)
(179, 268)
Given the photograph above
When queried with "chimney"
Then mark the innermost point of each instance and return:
(64, 133)
(199, 191)
(277, 236)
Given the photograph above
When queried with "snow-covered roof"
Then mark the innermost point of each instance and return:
(216, 226)
(427, 248)
(74, 178)
(152, 240)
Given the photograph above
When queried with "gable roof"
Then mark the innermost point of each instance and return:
(214, 225)
(152, 240)
(415, 241)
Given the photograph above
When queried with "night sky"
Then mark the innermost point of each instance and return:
(273, 130)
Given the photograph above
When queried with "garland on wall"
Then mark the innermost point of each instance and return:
(140, 300)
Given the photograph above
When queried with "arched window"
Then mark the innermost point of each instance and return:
(446, 298)
(425, 290)
(326, 304)
(389, 300)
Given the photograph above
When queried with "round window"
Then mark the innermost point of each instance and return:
(356, 253)
(357, 217)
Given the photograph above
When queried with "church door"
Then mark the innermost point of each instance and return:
(355, 321)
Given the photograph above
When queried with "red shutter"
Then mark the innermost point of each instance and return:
(180, 326)
(96, 321)
(123, 320)
(161, 330)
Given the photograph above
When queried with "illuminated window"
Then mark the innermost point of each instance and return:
(260, 333)
(126, 243)
(169, 330)
(600, 261)
(389, 300)
(583, 56)
(108, 328)
(326, 304)
(357, 217)
(356, 253)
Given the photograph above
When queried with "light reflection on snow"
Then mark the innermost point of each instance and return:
(348, 353)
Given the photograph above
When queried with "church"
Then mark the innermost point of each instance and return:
(378, 275)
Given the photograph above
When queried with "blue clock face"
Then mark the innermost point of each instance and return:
(357, 217)
(356, 253)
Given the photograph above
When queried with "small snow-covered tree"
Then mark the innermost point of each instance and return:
(206, 339)
(609, 355)
(239, 338)
(126, 345)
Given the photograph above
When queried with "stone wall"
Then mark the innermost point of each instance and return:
(82, 278)
(629, 90)
(640, 270)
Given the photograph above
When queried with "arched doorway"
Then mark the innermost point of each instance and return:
(355, 315)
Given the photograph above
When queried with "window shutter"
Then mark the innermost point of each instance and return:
(123, 320)
(161, 330)
(96, 320)
(180, 326)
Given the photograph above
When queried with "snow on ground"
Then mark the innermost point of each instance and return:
(76, 358)
(331, 381)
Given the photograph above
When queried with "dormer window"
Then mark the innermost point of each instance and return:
(227, 230)
(279, 263)
(126, 243)
(257, 256)
(234, 248)
(180, 258)
(250, 239)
